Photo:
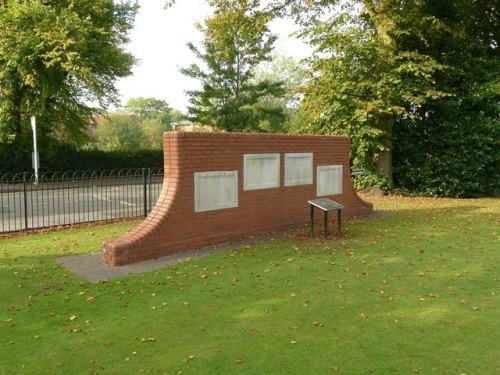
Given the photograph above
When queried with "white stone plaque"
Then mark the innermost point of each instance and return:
(329, 180)
(298, 169)
(215, 190)
(261, 171)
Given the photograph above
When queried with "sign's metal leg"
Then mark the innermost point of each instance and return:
(312, 220)
(339, 229)
(326, 225)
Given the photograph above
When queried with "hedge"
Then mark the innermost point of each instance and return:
(455, 156)
(63, 157)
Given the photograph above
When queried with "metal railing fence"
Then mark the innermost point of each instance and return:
(52, 199)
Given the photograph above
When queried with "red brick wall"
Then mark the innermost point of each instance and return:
(173, 225)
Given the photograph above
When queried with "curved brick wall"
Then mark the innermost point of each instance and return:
(174, 225)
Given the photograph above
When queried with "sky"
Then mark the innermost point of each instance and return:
(159, 40)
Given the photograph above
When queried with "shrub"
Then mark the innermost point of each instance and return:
(63, 157)
(452, 156)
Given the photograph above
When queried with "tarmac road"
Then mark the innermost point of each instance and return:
(53, 207)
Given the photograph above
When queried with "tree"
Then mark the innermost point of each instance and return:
(364, 79)
(236, 40)
(383, 66)
(452, 149)
(292, 74)
(120, 132)
(151, 109)
(156, 117)
(56, 57)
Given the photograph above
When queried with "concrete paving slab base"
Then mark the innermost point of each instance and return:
(92, 267)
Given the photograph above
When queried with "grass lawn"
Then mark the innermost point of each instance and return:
(415, 291)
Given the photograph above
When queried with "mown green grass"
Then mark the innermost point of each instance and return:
(415, 291)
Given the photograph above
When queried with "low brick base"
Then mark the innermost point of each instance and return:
(174, 226)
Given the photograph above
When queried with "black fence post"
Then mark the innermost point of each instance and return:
(61, 199)
(145, 191)
(25, 193)
(150, 192)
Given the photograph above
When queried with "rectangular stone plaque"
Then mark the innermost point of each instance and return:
(215, 190)
(298, 169)
(329, 180)
(261, 171)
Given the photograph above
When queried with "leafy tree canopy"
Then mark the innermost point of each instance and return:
(382, 64)
(57, 57)
(236, 40)
(149, 109)
(120, 132)
(293, 75)
(156, 117)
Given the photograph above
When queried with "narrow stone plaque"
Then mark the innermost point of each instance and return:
(329, 180)
(215, 190)
(261, 171)
(298, 169)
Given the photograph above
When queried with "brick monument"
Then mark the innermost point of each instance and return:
(224, 186)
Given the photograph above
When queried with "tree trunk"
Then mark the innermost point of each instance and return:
(383, 159)
(383, 165)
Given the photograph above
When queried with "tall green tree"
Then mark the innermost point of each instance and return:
(283, 68)
(452, 149)
(236, 39)
(151, 109)
(156, 117)
(57, 57)
(383, 66)
(120, 132)
(363, 80)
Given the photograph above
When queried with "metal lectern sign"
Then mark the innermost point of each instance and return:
(326, 205)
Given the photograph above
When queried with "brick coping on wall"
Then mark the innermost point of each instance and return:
(225, 186)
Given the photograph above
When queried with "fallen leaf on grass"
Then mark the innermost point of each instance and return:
(318, 324)
(190, 358)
